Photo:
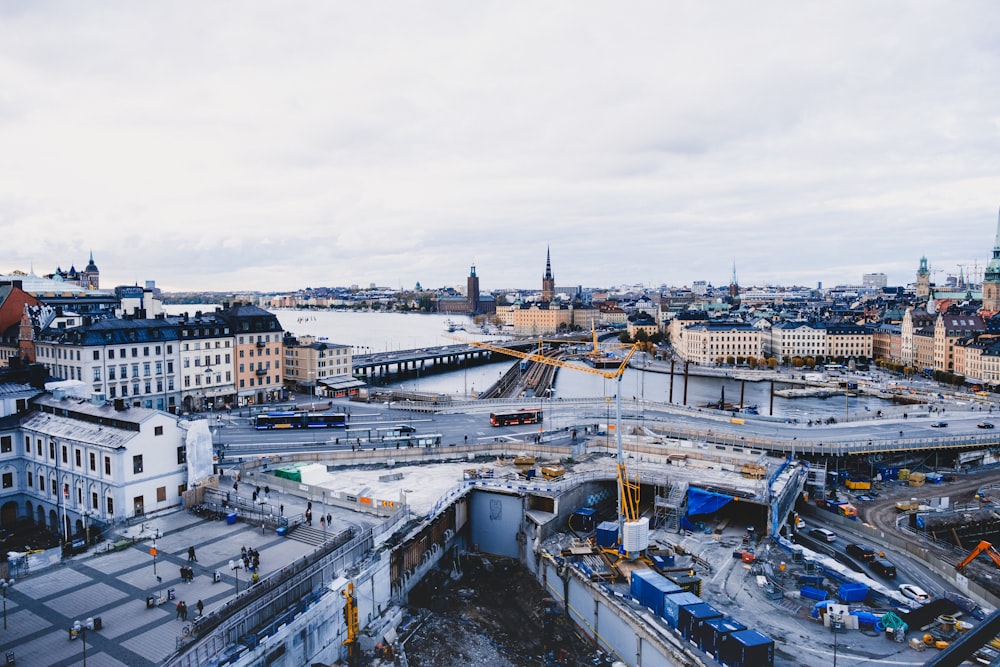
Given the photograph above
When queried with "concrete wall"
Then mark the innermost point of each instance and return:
(621, 630)
(495, 523)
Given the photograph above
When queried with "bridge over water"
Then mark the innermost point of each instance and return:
(385, 366)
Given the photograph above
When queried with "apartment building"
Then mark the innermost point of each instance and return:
(257, 353)
(309, 362)
(711, 343)
(73, 462)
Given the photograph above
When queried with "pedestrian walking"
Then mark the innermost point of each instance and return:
(184, 611)
(281, 510)
(191, 556)
(180, 608)
(329, 520)
(201, 607)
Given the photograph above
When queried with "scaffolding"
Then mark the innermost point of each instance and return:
(817, 479)
(668, 509)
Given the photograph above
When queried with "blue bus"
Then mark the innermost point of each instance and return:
(300, 420)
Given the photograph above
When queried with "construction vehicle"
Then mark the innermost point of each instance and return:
(982, 547)
(351, 618)
(628, 490)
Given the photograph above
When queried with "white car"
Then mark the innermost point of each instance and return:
(914, 592)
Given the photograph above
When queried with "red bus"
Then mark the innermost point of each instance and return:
(519, 417)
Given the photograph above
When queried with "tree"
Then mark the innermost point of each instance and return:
(772, 363)
(752, 362)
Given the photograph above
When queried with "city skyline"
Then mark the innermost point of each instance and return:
(245, 147)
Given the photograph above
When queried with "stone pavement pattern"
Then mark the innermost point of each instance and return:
(114, 586)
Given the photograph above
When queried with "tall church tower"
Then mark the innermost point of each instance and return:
(90, 277)
(548, 281)
(991, 278)
(472, 290)
(734, 286)
(923, 288)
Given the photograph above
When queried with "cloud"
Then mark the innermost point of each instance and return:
(243, 145)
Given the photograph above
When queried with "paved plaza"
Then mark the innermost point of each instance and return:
(114, 585)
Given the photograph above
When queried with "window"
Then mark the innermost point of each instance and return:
(181, 455)
(180, 491)
(111, 372)
(93, 499)
(41, 483)
(93, 461)
(146, 367)
(97, 355)
(65, 454)
(158, 430)
(78, 455)
(97, 374)
(111, 353)
(6, 444)
(161, 494)
(31, 479)
(107, 465)
(8, 480)
(137, 464)
(52, 450)
(110, 502)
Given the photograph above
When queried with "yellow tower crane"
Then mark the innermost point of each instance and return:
(628, 490)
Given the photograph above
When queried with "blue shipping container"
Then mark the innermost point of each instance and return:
(584, 518)
(672, 606)
(607, 534)
(852, 592)
(649, 588)
(692, 617)
(746, 648)
(812, 593)
(712, 631)
(663, 562)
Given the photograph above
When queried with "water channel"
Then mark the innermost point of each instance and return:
(372, 332)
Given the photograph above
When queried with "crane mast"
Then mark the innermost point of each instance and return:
(628, 490)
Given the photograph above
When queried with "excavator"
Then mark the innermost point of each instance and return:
(628, 489)
(983, 546)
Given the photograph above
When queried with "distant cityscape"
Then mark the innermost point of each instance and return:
(121, 344)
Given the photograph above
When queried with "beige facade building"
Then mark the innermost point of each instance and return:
(310, 361)
(712, 343)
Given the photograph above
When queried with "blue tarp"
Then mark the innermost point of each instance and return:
(705, 502)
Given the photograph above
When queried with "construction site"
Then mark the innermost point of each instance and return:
(614, 543)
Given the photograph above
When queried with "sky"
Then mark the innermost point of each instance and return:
(245, 145)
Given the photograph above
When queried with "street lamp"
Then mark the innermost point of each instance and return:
(80, 629)
(262, 503)
(236, 566)
(5, 584)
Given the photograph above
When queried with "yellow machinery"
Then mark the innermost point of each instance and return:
(351, 618)
(980, 548)
(628, 490)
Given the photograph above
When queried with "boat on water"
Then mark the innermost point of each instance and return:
(451, 326)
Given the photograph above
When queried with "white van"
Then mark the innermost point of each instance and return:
(823, 534)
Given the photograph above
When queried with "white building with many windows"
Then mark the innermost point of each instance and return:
(73, 463)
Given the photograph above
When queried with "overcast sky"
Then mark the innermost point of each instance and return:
(275, 146)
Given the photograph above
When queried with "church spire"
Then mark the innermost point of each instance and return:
(548, 280)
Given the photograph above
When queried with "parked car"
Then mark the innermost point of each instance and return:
(985, 424)
(914, 592)
(405, 428)
(823, 534)
(939, 424)
(861, 551)
(884, 568)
